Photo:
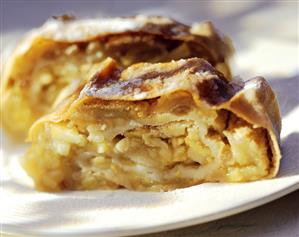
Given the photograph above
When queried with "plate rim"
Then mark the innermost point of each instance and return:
(16, 230)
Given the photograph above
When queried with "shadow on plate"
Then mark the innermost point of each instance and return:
(287, 93)
(290, 156)
(275, 219)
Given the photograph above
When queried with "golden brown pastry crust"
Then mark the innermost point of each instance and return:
(252, 100)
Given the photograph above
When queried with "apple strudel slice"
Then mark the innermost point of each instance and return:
(157, 127)
(53, 60)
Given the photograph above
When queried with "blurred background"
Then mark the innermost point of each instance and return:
(265, 33)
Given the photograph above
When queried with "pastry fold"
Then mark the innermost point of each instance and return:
(157, 126)
(51, 61)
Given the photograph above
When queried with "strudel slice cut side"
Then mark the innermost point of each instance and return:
(157, 127)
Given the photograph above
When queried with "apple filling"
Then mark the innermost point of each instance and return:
(162, 151)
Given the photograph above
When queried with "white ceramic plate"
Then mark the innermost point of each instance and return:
(112, 213)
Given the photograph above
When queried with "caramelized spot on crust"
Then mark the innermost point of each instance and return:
(64, 17)
(171, 30)
(107, 76)
(112, 83)
(216, 91)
